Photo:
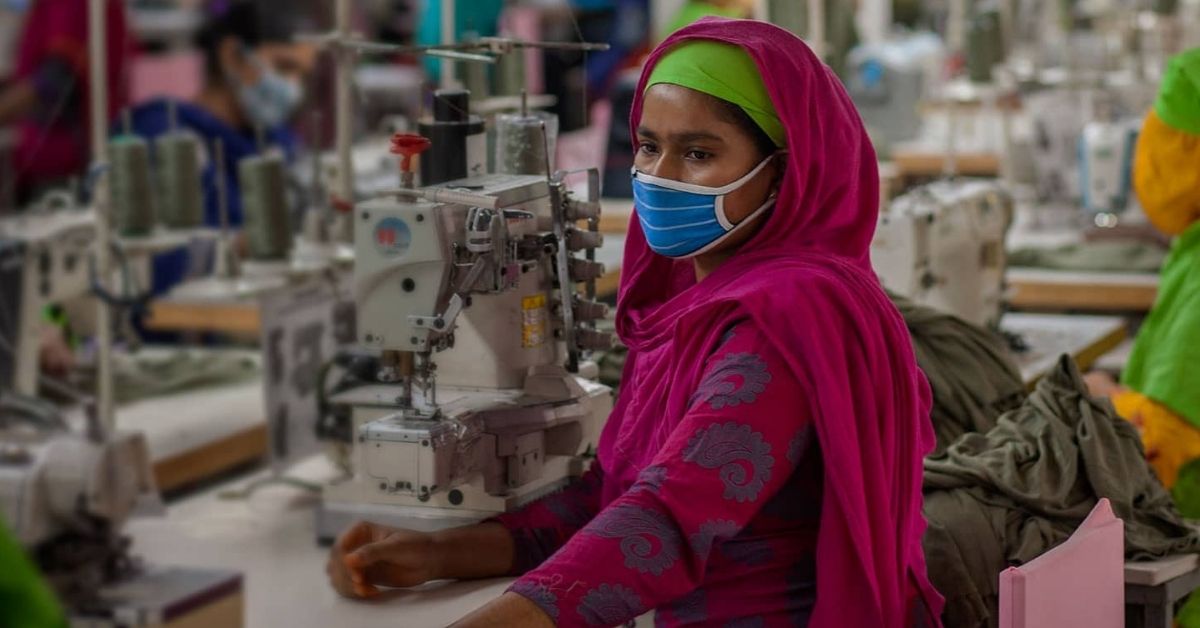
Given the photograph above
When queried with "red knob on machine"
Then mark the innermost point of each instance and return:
(408, 145)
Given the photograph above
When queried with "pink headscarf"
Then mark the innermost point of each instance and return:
(805, 281)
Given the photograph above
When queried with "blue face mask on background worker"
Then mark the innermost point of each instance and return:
(271, 99)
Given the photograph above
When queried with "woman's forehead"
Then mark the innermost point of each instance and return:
(669, 109)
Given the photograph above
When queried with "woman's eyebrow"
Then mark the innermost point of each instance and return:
(688, 137)
(682, 137)
(641, 130)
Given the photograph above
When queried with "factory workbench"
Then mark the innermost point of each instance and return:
(269, 537)
(198, 434)
(1084, 338)
(1040, 289)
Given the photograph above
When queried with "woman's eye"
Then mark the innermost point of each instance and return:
(698, 155)
(647, 148)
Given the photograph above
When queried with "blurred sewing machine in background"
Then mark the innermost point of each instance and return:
(44, 258)
(889, 81)
(66, 492)
(943, 245)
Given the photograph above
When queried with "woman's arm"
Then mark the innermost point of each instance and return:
(739, 443)
(542, 527)
(368, 555)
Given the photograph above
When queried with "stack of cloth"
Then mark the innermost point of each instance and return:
(1014, 475)
(1005, 496)
(158, 371)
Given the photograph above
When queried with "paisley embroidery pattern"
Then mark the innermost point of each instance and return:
(738, 378)
(799, 444)
(710, 532)
(609, 604)
(650, 479)
(649, 541)
(538, 594)
(741, 454)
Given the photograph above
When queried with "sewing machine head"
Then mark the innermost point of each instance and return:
(473, 277)
(943, 245)
(470, 291)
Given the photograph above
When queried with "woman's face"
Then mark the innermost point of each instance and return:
(683, 136)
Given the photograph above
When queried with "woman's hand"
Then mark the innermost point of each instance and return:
(369, 555)
(55, 355)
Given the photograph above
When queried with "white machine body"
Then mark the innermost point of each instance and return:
(61, 482)
(888, 81)
(943, 245)
(500, 407)
(1106, 165)
(57, 248)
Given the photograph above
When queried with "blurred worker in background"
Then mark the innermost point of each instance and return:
(253, 84)
(47, 98)
(1160, 388)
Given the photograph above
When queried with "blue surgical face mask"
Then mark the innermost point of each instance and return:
(683, 220)
(271, 100)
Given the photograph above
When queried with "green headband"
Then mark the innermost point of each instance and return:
(723, 71)
(1178, 102)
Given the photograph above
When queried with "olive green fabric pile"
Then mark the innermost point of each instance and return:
(1004, 497)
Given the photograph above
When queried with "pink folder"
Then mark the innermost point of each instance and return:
(1080, 583)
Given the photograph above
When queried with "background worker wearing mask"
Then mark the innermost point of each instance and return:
(252, 86)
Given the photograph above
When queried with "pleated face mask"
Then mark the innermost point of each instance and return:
(682, 220)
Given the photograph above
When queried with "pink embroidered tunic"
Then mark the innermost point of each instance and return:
(719, 527)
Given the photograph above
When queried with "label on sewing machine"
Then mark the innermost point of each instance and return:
(392, 237)
(533, 321)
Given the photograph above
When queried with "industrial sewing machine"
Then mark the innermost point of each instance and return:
(66, 493)
(44, 259)
(943, 245)
(888, 81)
(470, 291)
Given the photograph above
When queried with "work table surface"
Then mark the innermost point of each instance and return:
(269, 538)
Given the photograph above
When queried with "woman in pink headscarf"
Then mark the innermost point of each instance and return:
(762, 466)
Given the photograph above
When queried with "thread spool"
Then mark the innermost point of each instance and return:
(521, 143)
(459, 141)
(132, 191)
(181, 205)
(510, 73)
(268, 222)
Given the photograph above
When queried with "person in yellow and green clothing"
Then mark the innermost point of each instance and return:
(25, 600)
(1160, 387)
(1162, 378)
